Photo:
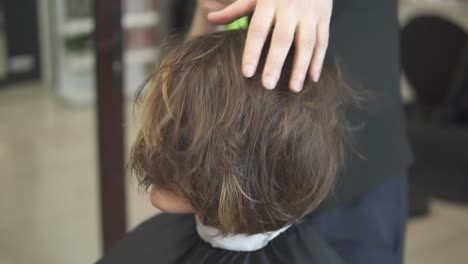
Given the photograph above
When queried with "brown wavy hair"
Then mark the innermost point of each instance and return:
(248, 159)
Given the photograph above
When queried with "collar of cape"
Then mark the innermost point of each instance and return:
(236, 242)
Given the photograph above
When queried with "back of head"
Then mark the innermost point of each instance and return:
(248, 159)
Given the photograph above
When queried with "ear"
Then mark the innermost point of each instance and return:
(169, 202)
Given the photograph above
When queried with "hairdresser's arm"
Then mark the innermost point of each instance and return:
(307, 21)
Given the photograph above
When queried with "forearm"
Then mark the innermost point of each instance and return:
(200, 24)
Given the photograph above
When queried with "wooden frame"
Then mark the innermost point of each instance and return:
(109, 70)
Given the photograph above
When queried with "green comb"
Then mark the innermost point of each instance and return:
(241, 23)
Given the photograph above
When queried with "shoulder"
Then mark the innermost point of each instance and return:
(160, 239)
(302, 244)
(170, 239)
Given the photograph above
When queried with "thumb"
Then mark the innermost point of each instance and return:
(232, 12)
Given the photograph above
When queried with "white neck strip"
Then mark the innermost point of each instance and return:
(236, 242)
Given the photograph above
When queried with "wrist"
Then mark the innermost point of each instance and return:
(200, 23)
(201, 13)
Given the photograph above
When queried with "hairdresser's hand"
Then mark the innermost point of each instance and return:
(307, 21)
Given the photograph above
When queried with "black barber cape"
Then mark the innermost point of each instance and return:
(172, 238)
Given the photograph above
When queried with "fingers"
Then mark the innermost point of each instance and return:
(232, 12)
(257, 34)
(320, 49)
(281, 42)
(305, 42)
(310, 18)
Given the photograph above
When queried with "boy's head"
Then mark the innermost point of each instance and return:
(246, 159)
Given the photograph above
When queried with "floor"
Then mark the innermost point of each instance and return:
(48, 174)
(49, 191)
